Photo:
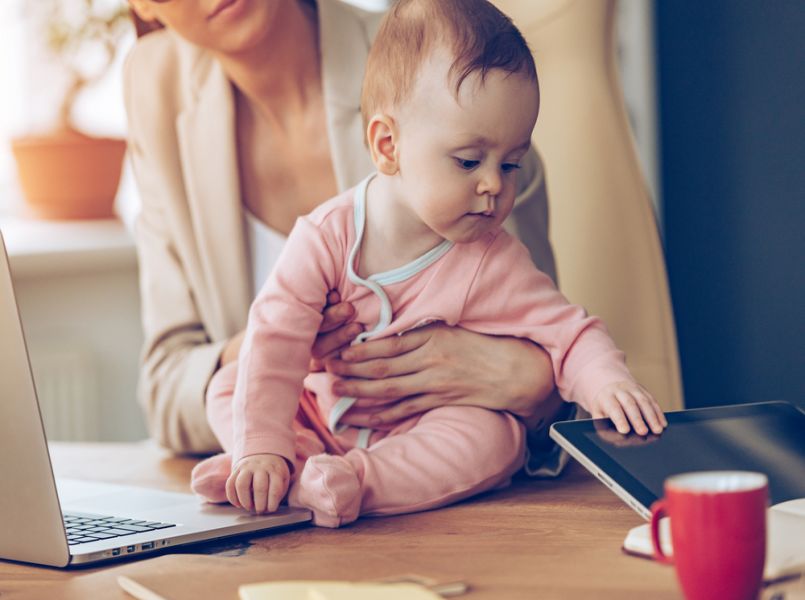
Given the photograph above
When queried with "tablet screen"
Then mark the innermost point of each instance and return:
(767, 437)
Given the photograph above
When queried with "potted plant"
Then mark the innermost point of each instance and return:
(63, 173)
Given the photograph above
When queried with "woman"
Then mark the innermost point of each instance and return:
(244, 115)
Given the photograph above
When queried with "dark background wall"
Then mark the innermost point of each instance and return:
(731, 78)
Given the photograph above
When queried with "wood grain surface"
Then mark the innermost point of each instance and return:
(537, 539)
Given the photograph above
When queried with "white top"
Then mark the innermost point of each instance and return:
(265, 245)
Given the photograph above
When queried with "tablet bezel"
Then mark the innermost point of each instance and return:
(572, 436)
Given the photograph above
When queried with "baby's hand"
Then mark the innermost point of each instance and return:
(258, 483)
(626, 402)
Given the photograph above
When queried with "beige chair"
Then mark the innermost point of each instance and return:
(603, 228)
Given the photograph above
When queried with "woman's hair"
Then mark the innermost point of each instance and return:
(478, 35)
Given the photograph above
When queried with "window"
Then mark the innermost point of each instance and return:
(31, 83)
(11, 80)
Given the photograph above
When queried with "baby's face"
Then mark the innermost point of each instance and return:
(459, 157)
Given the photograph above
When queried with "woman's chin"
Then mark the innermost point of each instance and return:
(246, 28)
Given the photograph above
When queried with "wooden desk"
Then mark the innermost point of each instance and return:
(552, 539)
(548, 539)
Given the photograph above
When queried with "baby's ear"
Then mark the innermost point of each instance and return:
(381, 136)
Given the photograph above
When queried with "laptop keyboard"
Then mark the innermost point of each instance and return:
(82, 527)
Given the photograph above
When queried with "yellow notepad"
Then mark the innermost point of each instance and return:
(334, 590)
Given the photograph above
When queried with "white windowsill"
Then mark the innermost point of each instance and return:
(39, 248)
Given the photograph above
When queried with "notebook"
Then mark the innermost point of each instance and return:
(785, 548)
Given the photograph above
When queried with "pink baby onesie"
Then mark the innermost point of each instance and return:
(489, 286)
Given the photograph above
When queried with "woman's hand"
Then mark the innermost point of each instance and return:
(232, 349)
(438, 365)
(335, 333)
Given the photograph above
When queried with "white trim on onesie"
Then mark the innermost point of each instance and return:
(375, 283)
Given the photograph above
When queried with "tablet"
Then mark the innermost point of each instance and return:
(768, 437)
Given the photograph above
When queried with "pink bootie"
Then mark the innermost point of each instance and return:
(208, 478)
(328, 486)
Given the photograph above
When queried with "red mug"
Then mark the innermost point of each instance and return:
(718, 532)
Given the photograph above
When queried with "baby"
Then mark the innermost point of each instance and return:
(450, 100)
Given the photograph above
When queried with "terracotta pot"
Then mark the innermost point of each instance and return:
(68, 175)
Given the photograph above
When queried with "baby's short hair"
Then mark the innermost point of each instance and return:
(479, 36)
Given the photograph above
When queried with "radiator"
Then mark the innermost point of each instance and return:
(67, 387)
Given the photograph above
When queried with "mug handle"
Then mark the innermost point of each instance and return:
(658, 510)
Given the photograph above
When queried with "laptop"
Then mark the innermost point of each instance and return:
(768, 437)
(67, 522)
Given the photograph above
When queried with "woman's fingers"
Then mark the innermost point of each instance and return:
(386, 369)
(232, 348)
(335, 331)
(336, 315)
(445, 365)
(377, 368)
(387, 347)
(390, 388)
(330, 342)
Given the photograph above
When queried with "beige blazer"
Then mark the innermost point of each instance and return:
(194, 268)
